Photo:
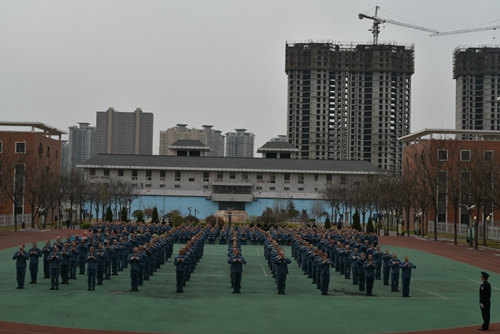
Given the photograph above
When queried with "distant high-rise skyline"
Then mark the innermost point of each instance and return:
(240, 144)
(124, 132)
(208, 136)
(81, 145)
(348, 101)
(476, 71)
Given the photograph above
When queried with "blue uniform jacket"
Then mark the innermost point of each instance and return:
(20, 258)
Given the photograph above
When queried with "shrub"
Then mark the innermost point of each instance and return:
(327, 223)
(177, 220)
(85, 226)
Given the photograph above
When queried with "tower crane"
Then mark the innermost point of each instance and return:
(463, 31)
(378, 21)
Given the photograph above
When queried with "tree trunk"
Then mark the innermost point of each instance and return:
(455, 224)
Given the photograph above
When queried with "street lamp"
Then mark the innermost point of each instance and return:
(475, 231)
(229, 211)
(470, 210)
(189, 209)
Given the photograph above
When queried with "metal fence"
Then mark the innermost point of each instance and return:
(492, 232)
(8, 220)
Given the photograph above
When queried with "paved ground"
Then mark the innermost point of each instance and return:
(444, 294)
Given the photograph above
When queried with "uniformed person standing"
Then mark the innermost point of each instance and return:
(236, 262)
(406, 268)
(485, 301)
(46, 250)
(134, 259)
(180, 270)
(91, 260)
(34, 254)
(20, 256)
(55, 259)
(281, 269)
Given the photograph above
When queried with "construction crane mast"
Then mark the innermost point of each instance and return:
(377, 21)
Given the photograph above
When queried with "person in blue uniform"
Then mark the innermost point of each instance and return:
(236, 262)
(55, 259)
(34, 253)
(91, 260)
(406, 268)
(325, 274)
(46, 250)
(134, 259)
(386, 262)
(20, 256)
(394, 264)
(107, 261)
(115, 256)
(361, 272)
(369, 267)
(83, 250)
(485, 301)
(101, 258)
(354, 257)
(180, 263)
(281, 270)
(73, 260)
(65, 264)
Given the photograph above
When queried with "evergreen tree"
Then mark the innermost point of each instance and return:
(124, 215)
(369, 226)
(154, 216)
(109, 214)
(356, 223)
(327, 223)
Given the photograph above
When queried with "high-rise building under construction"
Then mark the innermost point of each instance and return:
(476, 71)
(348, 101)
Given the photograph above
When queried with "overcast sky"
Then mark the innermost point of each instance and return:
(208, 62)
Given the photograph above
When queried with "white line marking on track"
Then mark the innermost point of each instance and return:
(432, 293)
(44, 230)
(453, 272)
(263, 270)
(257, 251)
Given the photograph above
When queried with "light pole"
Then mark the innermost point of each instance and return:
(485, 229)
(476, 237)
(189, 209)
(229, 212)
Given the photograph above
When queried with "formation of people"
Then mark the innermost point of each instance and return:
(112, 247)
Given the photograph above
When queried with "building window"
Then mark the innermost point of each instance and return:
(206, 176)
(92, 171)
(259, 176)
(272, 177)
(1, 146)
(343, 180)
(301, 178)
(134, 174)
(21, 147)
(163, 175)
(220, 175)
(287, 177)
(177, 175)
(148, 174)
(120, 172)
(177, 186)
(244, 176)
(232, 175)
(162, 186)
(258, 188)
(106, 172)
(272, 188)
(206, 186)
(286, 188)
(488, 156)
(148, 185)
(442, 155)
(315, 177)
(134, 185)
(191, 179)
(301, 189)
(465, 155)
(329, 178)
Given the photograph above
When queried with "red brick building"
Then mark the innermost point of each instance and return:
(27, 159)
(450, 156)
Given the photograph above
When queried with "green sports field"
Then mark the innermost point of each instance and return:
(444, 294)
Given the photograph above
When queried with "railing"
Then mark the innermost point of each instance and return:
(492, 232)
(8, 220)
